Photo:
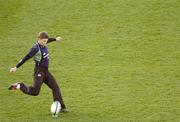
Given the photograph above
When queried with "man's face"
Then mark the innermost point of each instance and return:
(42, 42)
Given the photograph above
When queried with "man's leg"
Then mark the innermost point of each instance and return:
(33, 90)
(51, 82)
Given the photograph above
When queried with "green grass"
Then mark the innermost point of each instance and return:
(120, 61)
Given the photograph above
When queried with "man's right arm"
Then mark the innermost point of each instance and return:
(22, 61)
(31, 53)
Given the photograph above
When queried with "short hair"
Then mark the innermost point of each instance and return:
(43, 35)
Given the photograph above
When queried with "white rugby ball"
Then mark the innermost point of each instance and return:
(55, 108)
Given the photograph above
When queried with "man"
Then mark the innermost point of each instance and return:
(41, 73)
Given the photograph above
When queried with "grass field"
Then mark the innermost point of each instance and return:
(120, 61)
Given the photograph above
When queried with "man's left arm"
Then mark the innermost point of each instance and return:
(58, 39)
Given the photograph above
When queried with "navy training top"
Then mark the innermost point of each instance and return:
(44, 60)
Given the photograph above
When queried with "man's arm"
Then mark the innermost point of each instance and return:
(22, 61)
(31, 53)
(51, 40)
(54, 39)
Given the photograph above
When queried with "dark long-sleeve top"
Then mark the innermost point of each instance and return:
(40, 54)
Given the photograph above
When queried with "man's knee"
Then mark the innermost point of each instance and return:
(34, 91)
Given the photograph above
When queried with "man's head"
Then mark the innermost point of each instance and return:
(43, 38)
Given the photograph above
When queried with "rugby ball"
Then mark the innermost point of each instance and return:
(55, 108)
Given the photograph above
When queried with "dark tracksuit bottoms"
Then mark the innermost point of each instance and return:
(42, 75)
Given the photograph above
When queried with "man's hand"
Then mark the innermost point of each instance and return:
(59, 39)
(13, 70)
